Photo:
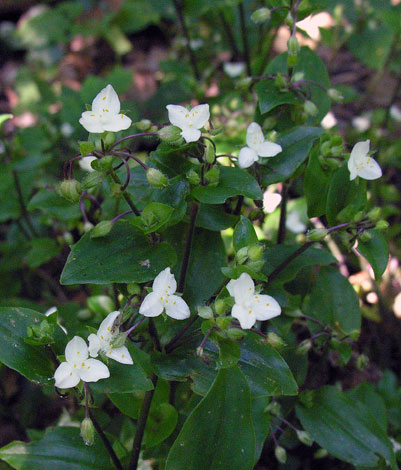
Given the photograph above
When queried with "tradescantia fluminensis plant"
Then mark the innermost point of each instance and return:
(202, 355)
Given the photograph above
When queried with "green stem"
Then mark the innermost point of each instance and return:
(126, 196)
(288, 260)
(244, 38)
(24, 211)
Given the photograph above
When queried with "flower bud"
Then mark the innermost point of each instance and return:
(362, 361)
(133, 288)
(210, 154)
(193, 177)
(68, 238)
(88, 431)
(354, 334)
(305, 438)
(235, 334)
(119, 340)
(317, 234)
(92, 180)
(297, 77)
(281, 454)
(273, 408)
(84, 314)
(109, 138)
(280, 82)
(103, 164)
(143, 125)
(255, 252)
(275, 340)
(71, 190)
(310, 108)
(220, 306)
(261, 15)
(289, 20)
(382, 225)
(87, 227)
(223, 322)
(325, 148)
(374, 214)
(244, 83)
(255, 265)
(205, 312)
(102, 229)
(304, 347)
(292, 60)
(360, 215)
(242, 255)
(156, 178)
(337, 150)
(293, 45)
(320, 454)
(365, 237)
(335, 95)
(170, 134)
(213, 176)
(199, 351)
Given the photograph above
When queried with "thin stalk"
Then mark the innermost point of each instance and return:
(129, 155)
(126, 196)
(283, 215)
(171, 345)
(185, 262)
(129, 137)
(192, 57)
(244, 38)
(288, 260)
(21, 201)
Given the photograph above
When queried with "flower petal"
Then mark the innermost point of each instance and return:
(268, 149)
(359, 151)
(177, 308)
(352, 169)
(117, 122)
(246, 317)
(108, 100)
(120, 354)
(91, 122)
(85, 163)
(254, 136)
(164, 282)
(247, 157)
(265, 307)
(242, 289)
(152, 305)
(199, 115)
(105, 328)
(176, 115)
(65, 376)
(190, 134)
(94, 345)
(76, 350)
(369, 169)
(93, 370)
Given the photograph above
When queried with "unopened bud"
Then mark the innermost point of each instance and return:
(92, 180)
(382, 225)
(236, 334)
(103, 164)
(289, 20)
(210, 154)
(298, 76)
(292, 60)
(87, 226)
(360, 215)
(280, 82)
(305, 438)
(335, 95)
(310, 108)
(156, 178)
(170, 134)
(213, 176)
(242, 255)
(320, 454)
(293, 45)
(109, 138)
(304, 347)
(362, 361)
(337, 150)
(244, 83)
(102, 229)
(255, 252)
(281, 454)
(71, 190)
(205, 312)
(88, 431)
(133, 288)
(84, 314)
(223, 322)
(199, 351)
(374, 214)
(275, 340)
(354, 334)
(317, 234)
(325, 148)
(255, 265)
(365, 237)
(143, 125)
(273, 408)
(119, 340)
(261, 15)
(220, 307)
(193, 177)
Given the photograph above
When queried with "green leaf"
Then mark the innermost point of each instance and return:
(346, 428)
(229, 353)
(34, 363)
(53, 205)
(296, 144)
(316, 183)
(269, 96)
(375, 251)
(344, 193)
(4, 118)
(61, 448)
(86, 147)
(333, 301)
(244, 234)
(213, 424)
(233, 182)
(161, 423)
(214, 217)
(128, 403)
(153, 216)
(174, 195)
(235, 273)
(124, 255)
(42, 250)
(274, 256)
(261, 423)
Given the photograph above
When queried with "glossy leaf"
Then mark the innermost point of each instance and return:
(124, 255)
(42, 250)
(161, 423)
(153, 217)
(51, 204)
(214, 423)
(214, 217)
(316, 183)
(375, 251)
(244, 234)
(269, 96)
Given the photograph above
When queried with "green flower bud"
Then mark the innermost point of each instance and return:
(297, 76)
(354, 334)
(335, 95)
(88, 431)
(133, 288)
(223, 322)
(305, 438)
(119, 340)
(115, 190)
(84, 314)
(292, 60)
(275, 340)
(358, 216)
(273, 408)
(213, 176)
(289, 20)
(281, 454)
(306, 398)
(216, 130)
(280, 82)
(304, 347)
(210, 154)
(255, 252)
(87, 227)
(293, 45)
(320, 454)
(310, 108)
(103, 164)
(170, 134)
(143, 125)
(109, 138)
(382, 225)
(156, 178)
(71, 190)
(244, 83)
(102, 229)
(261, 15)
(92, 180)
(255, 265)
(337, 150)
(317, 234)
(269, 122)
(374, 214)
(220, 307)
(235, 334)
(362, 361)
(205, 312)
(365, 237)
(242, 255)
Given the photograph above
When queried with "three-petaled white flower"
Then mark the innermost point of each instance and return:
(102, 341)
(249, 306)
(189, 121)
(78, 367)
(163, 298)
(361, 164)
(257, 147)
(105, 114)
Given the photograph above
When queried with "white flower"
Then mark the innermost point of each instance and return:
(361, 164)
(105, 114)
(102, 341)
(162, 298)
(249, 306)
(85, 163)
(233, 69)
(189, 121)
(78, 367)
(257, 147)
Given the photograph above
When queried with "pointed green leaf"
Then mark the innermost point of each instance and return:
(244, 234)
(376, 252)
